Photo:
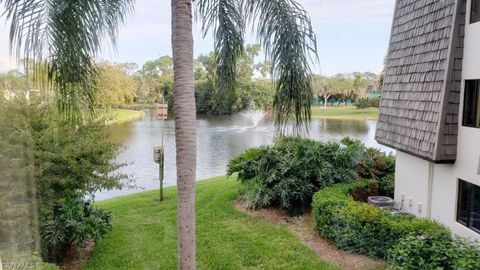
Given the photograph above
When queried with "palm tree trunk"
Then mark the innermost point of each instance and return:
(185, 130)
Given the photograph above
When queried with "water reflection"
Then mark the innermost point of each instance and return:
(220, 138)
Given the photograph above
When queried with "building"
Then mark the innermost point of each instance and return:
(430, 111)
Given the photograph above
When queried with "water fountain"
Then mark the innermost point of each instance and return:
(254, 116)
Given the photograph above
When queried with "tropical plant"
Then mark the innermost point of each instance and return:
(287, 174)
(74, 222)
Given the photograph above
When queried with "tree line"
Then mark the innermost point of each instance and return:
(119, 84)
(344, 88)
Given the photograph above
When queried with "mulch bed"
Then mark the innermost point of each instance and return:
(76, 260)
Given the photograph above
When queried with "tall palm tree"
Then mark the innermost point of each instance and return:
(67, 35)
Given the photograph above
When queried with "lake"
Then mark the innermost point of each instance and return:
(219, 139)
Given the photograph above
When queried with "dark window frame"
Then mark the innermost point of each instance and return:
(471, 104)
(475, 11)
(466, 191)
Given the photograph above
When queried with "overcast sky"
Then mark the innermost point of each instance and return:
(351, 35)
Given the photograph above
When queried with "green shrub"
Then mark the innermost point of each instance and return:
(375, 164)
(386, 185)
(287, 174)
(363, 189)
(73, 223)
(362, 228)
(434, 252)
(362, 103)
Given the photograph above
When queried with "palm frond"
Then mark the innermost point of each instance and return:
(60, 38)
(285, 31)
(227, 22)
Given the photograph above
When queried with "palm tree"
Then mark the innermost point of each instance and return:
(66, 35)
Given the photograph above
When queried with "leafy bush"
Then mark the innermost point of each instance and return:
(434, 252)
(362, 228)
(362, 103)
(363, 189)
(407, 242)
(74, 222)
(67, 162)
(287, 174)
(374, 102)
(379, 166)
(375, 164)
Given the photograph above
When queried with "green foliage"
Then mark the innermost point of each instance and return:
(362, 103)
(209, 98)
(287, 174)
(363, 189)
(70, 162)
(51, 165)
(285, 32)
(431, 252)
(61, 43)
(226, 17)
(258, 92)
(114, 87)
(380, 167)
(73, 223)
(362, 228)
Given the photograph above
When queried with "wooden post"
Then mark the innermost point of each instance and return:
(161, 113)
(159, 157)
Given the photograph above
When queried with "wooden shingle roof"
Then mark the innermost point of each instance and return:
(421, 91)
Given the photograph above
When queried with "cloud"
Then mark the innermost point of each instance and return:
(348, 11)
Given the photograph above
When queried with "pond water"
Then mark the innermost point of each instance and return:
(220, 138)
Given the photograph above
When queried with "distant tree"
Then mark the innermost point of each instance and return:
(130, 67)
(246, 63)
(323, 87)
(364, 83)
(155, 80)
(13, 81)
(265, 68)
(343, 87)
(114, 86)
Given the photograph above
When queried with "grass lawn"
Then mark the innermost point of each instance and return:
(144, 234)
(120, 115)
(344, 112)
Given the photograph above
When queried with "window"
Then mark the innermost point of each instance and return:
(475, 12)
(471, 108)
(468, 207)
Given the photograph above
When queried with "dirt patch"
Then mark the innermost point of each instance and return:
(76, 260)
(302, 227)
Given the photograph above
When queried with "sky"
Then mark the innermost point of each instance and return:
(351, 35)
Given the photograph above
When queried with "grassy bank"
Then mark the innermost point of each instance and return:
(120, 115)
(344, 112)
(144, 234)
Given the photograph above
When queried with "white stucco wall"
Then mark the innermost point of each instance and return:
(430, 190)
(411, 185)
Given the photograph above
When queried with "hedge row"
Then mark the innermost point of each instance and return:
(407, 242)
